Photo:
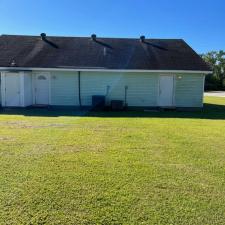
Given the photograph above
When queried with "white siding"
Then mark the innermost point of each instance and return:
(28, 97)
(64, 88)
(189, 90)
(142, 87)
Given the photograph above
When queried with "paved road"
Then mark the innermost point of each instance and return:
(215, 93)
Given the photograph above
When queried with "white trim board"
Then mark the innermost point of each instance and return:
(101, 70)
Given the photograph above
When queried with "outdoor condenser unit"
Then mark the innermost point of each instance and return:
(117, 105)
(98, 101)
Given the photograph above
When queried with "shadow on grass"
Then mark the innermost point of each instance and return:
(210, 111)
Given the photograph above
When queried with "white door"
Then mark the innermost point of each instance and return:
(166, 91)
(12, 89)
(42, 89)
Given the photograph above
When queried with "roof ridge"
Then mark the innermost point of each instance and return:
(98, 37)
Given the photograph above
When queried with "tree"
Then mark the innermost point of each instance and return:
(216, 80)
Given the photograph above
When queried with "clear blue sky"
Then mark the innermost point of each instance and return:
(200, 22)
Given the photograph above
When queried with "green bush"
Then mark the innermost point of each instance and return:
(216, 59)
(212, 83)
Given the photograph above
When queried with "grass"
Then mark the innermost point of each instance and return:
(59, 167)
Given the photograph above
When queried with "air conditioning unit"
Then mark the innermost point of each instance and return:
(117, 105)
(98, 102)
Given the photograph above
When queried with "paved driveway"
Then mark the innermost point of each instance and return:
(215, 93)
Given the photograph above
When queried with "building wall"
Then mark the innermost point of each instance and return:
(28, 95)
(64, 88)
(189, 89)
(141, 87)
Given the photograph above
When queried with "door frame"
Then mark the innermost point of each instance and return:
(48, 75)
(173, 90)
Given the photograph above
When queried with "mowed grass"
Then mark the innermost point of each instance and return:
(61, 167)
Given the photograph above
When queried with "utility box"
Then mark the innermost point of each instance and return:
(117, 105)
(98, 101)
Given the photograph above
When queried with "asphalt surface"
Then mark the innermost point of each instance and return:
(215, 93)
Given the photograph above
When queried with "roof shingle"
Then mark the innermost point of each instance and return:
(104, 53)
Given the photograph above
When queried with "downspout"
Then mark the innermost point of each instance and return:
(79, 94)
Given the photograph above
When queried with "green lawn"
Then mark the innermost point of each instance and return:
(59, 167)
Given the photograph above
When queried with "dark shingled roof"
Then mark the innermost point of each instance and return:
(104, 53)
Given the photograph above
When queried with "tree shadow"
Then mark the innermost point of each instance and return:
(210, 111)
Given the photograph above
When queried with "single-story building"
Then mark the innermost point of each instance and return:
(68, 71)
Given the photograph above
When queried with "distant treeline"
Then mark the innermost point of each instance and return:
(215, 81)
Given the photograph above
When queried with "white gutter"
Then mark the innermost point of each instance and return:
(101, 70)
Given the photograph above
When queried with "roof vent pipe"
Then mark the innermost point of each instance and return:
(93, 37)
(142, 38)
(13, 63)
(43, 36)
